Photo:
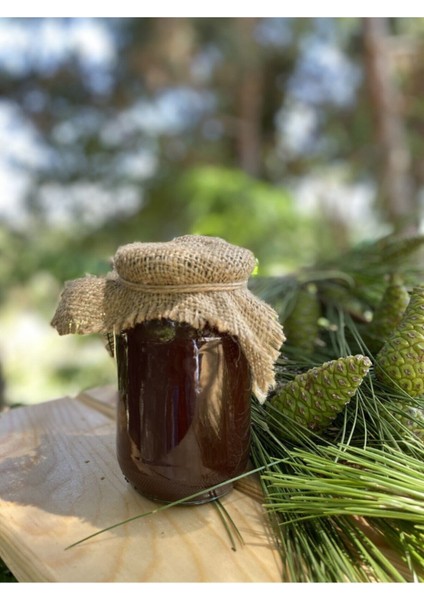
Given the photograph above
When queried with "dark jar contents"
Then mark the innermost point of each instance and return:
(184, 410)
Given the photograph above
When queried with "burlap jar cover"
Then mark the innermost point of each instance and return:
(193, 279)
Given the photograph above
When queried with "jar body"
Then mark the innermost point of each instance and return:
(184, 410)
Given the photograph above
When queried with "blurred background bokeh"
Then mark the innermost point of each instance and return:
(294, 137)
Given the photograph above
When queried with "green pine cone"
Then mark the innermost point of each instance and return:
(388, 314)
(400, 362)
(301, 326)
(412, 418)
(315, 398)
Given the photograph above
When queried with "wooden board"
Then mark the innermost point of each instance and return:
(60, 481)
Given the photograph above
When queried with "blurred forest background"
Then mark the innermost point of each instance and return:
(294, 137)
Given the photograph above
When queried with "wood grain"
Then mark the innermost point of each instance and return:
(60, 481)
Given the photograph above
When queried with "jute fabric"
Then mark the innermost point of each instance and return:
(198, 280)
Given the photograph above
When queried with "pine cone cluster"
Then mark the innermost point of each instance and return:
(366, 286)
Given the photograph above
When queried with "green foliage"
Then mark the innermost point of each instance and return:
(249, 212)
(346, 501)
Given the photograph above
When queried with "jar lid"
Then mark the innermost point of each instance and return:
(198, 280)
(188, 259)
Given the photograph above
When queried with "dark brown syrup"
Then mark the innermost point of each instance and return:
(184, 410)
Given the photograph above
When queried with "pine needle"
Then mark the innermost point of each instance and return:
(228, 524)
(169, 505)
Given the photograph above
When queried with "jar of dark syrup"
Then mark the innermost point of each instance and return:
(184, 410)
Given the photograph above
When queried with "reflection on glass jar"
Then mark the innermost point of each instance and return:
(184, 410)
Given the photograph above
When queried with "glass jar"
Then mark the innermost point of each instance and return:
(184, 410)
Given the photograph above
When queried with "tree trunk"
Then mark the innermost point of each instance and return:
(399, 203)
(249, 98)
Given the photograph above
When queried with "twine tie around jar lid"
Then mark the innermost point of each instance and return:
(187, 288)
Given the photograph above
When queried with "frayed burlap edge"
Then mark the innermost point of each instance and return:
(104, 305)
